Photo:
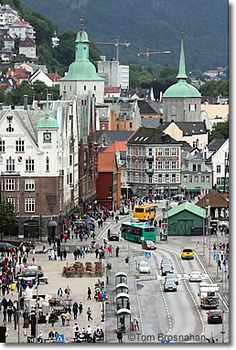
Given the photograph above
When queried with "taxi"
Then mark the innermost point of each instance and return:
(187, 253)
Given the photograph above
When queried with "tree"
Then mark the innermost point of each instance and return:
(220, 131)
(7, 216)
(215, 88)
(168, 75)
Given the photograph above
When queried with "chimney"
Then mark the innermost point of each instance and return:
(25, 102)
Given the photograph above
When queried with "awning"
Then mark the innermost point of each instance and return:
(197, 189)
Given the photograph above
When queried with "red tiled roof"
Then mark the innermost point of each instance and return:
(18, 73)
(111, 89)
(20, 23)
(216, 200)
(54, 77)
(117, 146)
(106, 162)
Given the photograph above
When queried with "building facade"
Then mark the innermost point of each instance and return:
(114, 74)
(153, 163)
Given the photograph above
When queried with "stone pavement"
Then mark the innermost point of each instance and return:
(79, 286)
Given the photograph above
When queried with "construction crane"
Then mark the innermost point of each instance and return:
(149, 52)
(116, 43)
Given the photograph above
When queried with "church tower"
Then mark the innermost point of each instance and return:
(82, 78)
(182, 101)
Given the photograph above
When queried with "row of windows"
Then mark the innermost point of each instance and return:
(13, 185)
(160, 151)
(161, 178)
(29, 165)
(19, 146)
(197, 167)
(29, 204)
(159, 165)
(197, 178)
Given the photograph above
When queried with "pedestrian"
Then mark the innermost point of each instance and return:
(64, 254)
(80, 308)
(96, 252)
(76, 330)
(120, 336)
(117, 219)
(89, 314)
(75, 254)
(117, 251)
(136, 323)
(109, 250)
(33, 260)
(89, 293)
(75, 308)
(63, 319)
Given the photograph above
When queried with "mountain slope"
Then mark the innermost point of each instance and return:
(153, 24)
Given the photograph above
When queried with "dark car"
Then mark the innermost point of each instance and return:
(215, 316)
(148, 245)
(5, 246)
(170, 286)
(113, 236)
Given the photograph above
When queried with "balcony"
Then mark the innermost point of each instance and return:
(150, 158)
(149, 171)
(10, 173)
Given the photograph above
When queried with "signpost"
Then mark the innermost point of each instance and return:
(60, 338)
(147, 255)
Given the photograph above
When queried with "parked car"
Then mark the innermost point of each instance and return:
(215, 316)
(148, 245)
(173, 277)
(166, 261)
(143, 267)
(170, 286)
(167, 268)
(187, 253)
(179, 197)
(195, 276)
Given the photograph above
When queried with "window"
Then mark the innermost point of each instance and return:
(29, 184)
(30, 205)
(173, 165)
(202, 178)
(84, 87)
(160, 178)
(2, 145)
(173, 111)
(20, 145)
(167, 165)
(190, 178)
(47, 163)
(218, 180)
(12, 201)
(150, 179)
(10, 164)
(71, 156)
(185, 178)
(150, 151)
(196, 178)
(71, 179)
(199, 167)
(218, 169)
(10, 185)
(194, 167)
(159, 151)
(208, 179)
(130, 125)
(159, 164)
(173, 178)
(29, 165)
(173, 151)
(149, 165)
(167, 151)
(94, 88)
(167, 178)
(192, 107)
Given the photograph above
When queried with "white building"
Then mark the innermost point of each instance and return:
(218, 153)
(7, 16)
(27, 47)
(21, 29)
(38, 75)
(115, 75)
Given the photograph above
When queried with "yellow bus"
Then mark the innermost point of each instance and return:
(145, 212)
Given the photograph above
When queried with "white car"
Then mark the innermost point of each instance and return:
(144, 267)
(195, 276)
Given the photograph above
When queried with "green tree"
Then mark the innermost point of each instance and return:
(168, 75)
(7, 216)
(215, 88)
(220, 131)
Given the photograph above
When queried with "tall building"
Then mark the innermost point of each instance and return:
(82, 78)
(114, 73)
(182, 101)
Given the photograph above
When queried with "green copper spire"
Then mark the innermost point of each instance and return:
(182, 71)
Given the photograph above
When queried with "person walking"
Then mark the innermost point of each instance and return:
(64, 254)
(89, 314)
(80, 308)
(120, 336)
(76, 330)
(75, 308)
(89, 293)
(117, 251)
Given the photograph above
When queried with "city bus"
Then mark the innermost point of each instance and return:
(145, 212)
(138, 232)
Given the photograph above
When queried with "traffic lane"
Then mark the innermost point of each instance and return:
(180, 305)
(153, 313)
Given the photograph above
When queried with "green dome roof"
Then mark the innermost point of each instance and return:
(82, 70)
(47, 122)
(82, 36)
(182, 89)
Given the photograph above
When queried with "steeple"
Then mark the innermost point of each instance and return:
(182, 71)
